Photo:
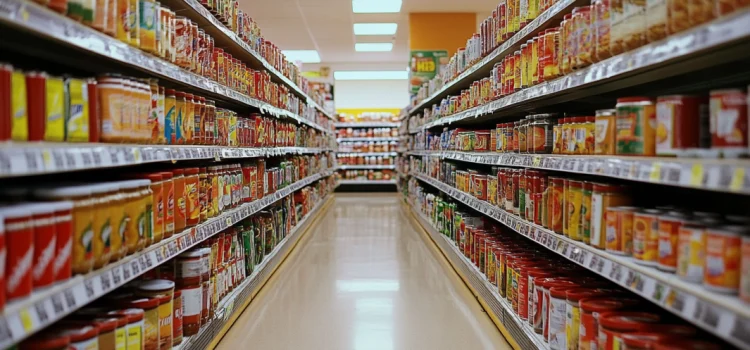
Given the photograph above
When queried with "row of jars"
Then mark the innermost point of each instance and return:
(587, 35)
(663, 126)
(176, 299)
(354, 159)
(385, 117)
(568, 306)
(117, 109)
(699, 247)
(365, 174)
(154, 28)
(368, 132)
(367, 146)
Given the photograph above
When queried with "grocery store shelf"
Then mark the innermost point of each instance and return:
(364, 166)
(366, 182)
(700, 46)
(502, 313)
(717, 313)
(24, 317)
(365, 154)
(368, 125)
(483, 67)
(49, 25)
(352, 139)
(723, 175)
(36, 158)
(231, 42)
(242, 294)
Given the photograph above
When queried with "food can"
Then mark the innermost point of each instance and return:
(723, 249)
(635, 126)
(603, 197)
(620, 230)
(546, 306)
(556, 204)
(612, 326)
(147, 22)
(591, 309)
(691, 252)
(646, 236)
(574, 200)
(728, 119)
(557, 311)
(679, 121)
(669, 229)
(573, 313)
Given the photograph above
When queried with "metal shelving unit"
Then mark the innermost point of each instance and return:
(716, 313)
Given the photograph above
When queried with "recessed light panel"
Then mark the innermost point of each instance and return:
(371, 75)
(304, 56)
(373, 47)
(376, 6)
(375, 28)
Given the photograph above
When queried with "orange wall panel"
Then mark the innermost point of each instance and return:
(441, 31)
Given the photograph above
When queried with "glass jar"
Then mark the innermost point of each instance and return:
(539, 137)
(179, 122)
(102, 224)
(188, 119)
(170, 116)
(582, 32)
(567, 44)
(601, 29)
(192, 196)
(551, 53)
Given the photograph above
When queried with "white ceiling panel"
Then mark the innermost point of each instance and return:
(327, 26)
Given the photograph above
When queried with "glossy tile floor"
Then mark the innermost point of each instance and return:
(363, 279)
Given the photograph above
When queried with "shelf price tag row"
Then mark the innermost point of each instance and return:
(26, 317)
(43, 158)
(686, 300)
(695, 173)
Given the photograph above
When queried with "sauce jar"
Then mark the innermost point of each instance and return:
(47, 340)
(150, 307)
(162, 290)
(135, 329)
(157, 188)
(82, 219)
(605, 131)
(134, 240)
(177, 318)
(591, 309)
(102, 224)
(107, 338)
(612, 325)
(19, 239)
(180, 206)
(574, 200)
(669, 229)
(723, 258)
(168, 194)
(604, 196)
(573, 322)
(83, 335)
(192, 196)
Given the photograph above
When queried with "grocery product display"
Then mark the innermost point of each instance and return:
(223, 153)
(367, 148)
(562, 136)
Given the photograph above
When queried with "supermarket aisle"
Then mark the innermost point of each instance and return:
(364, 279)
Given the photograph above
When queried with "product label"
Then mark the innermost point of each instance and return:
(192, 302)
(54, 129)
(189, 268)
(135, 336)
(557, 324)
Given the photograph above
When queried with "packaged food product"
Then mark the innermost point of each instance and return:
(19, 232)
(728, 119)
(47, 340)
(557, 311)
(180, 203)
(678, 123)
(690, 251)
(568, 44)
(77, 113)
(573, 323)
(147, 23)
(657, 19)
(107, 338)
(646, 236)
(574, 200)
(601, 29)
(700, 11)
(745, 270)
(102, 223)
(635, 126)
(605, 131)
(604, 196)
(63, 239)
(585, 48)
(669, 228)
(591, 309)
(43, 241)
(620, 230)
(83, 335)
(549, 59)
(690, 344)
(723, 249)
(151, 327)
(135, 328)
(612, 325)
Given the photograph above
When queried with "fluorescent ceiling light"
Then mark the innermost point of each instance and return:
(373, 47)
(376, 6)
(304, 56)
(375, 28)
(371, 75)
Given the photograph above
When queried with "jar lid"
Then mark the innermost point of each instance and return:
(122, 320)
(78, 330)
(178, 172)
(556, 282)
(628, 321)
(672, 344)
(608, 187)
(575, 183)
(144, 303)
(205, 251)
(129, 184)
(166, 175)
(61, 205)
(156, 285)
(604, 304)
(14, 211)
(646, 340)
(163, 299)
(192, 171)
(606, 112)
(133, 314)
(45, 341)
(154, 177)
(63, 192)
(634, 99)
(193, 253)
(177, 294)
(577, 294)
(106, 324)
(560, 291)
(144, 183)
(104, 187)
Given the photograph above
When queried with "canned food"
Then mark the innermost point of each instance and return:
(691, 252)
(669, 229)
(678, 123)
(620, 230)
(605, 131)
(723, 249)
(728, 119)
(646, 236)
(635, 126)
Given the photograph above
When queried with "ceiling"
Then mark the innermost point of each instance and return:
(327, 26)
